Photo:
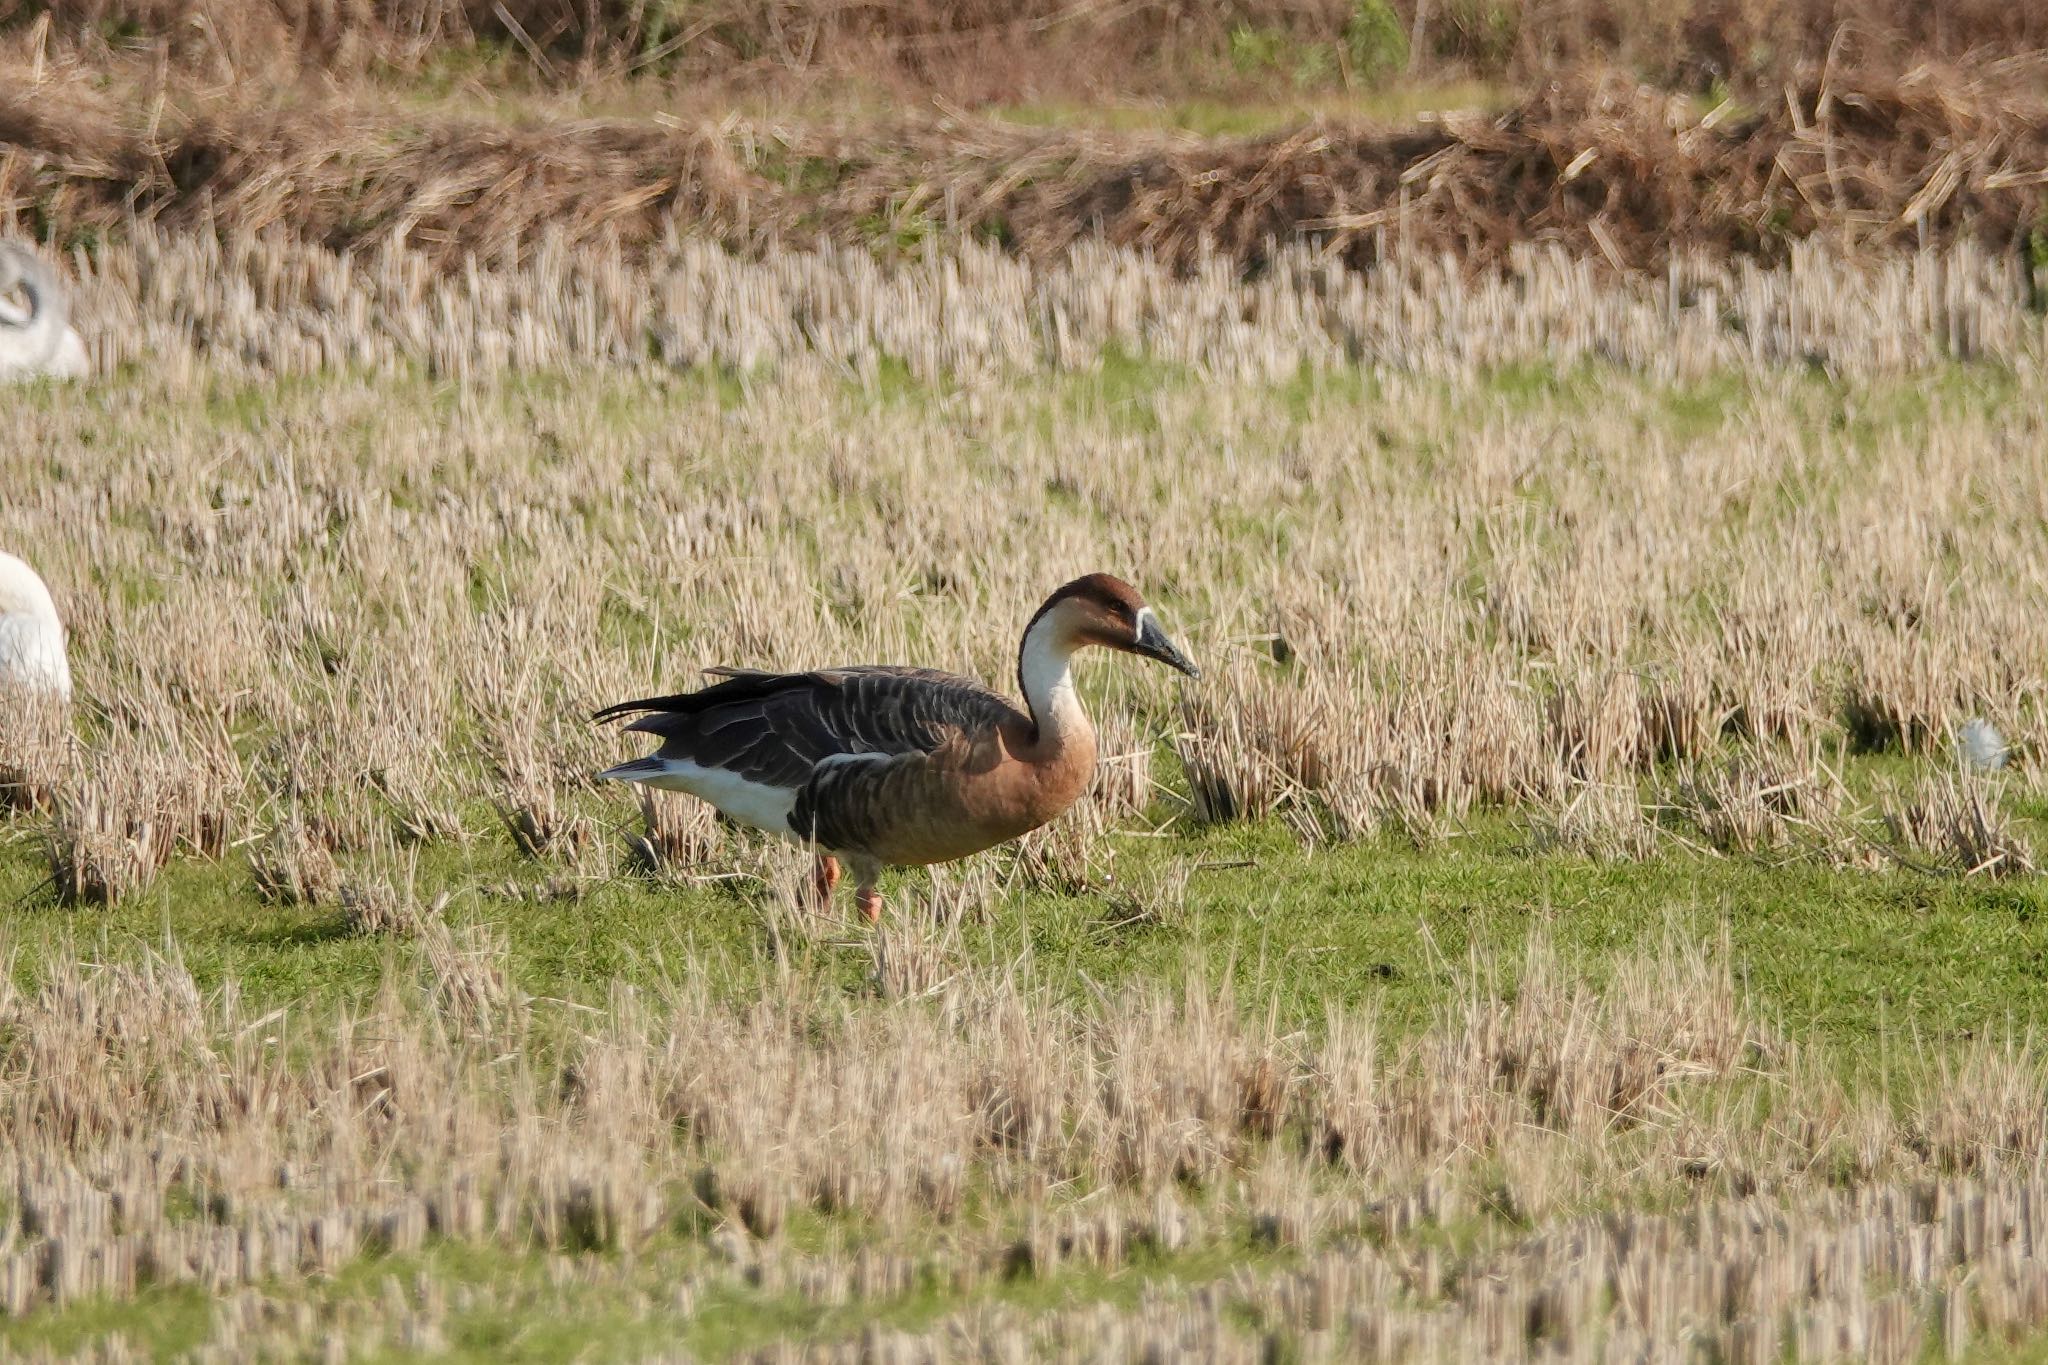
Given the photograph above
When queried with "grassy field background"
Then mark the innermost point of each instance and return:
(1560, 921)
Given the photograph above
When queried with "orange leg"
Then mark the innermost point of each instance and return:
(868, 899)
(826, 879)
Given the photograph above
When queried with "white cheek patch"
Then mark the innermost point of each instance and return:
(1144, 619)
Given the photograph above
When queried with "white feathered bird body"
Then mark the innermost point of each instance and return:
(36, 335)
(32, 655)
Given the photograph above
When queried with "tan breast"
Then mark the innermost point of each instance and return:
(957, 803)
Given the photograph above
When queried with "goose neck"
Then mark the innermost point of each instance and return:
(1046, 676)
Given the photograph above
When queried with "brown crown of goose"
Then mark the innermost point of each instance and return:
(1104, 611)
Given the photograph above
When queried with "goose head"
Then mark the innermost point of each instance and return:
(1103, 610)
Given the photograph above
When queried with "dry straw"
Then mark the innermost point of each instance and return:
(169, 1139)
(1673, 603)
(193, 307)
(1642, 605)
(1864, 149)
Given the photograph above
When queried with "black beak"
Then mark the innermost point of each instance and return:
(1153, 644)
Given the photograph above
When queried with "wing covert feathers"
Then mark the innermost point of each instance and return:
(801, 731)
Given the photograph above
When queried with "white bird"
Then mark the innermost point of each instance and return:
(36, 335)
(31, 637)
(1983, 747)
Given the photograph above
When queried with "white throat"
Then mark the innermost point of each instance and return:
(1044, 670)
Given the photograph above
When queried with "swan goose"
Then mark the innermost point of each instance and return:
(31, 637)
(881, 765)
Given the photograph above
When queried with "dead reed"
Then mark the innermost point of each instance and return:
(1656, 604)
(1696, 597)
(967, 50)
(1150, 1123)
(1860, 151)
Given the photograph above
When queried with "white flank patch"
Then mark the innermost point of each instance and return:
(751, 803)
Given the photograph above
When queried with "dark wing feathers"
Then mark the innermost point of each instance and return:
(740, 685)
(777, 727)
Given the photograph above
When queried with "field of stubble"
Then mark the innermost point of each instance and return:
(1558, 926)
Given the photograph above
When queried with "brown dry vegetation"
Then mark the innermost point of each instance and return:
(1561, 609)
(973, 50)
(981, 1135)
(1853, 155)
(350, 545)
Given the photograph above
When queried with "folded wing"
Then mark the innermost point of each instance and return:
(849, 743)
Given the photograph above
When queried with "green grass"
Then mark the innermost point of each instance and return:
(1265, 83)
(1399, 102)
(163, 1320)
(529, 1306)
(1844, 956)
